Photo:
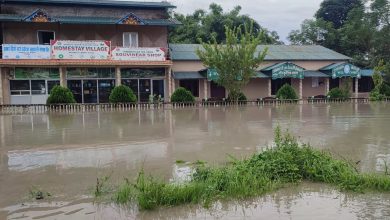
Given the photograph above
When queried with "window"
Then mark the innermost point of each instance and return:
(44, 37)
(314, 82)
(130, 39)
(191, 85)
(38, 87)
(20, 87)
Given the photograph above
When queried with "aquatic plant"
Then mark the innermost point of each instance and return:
(287, 162)
(122, 94)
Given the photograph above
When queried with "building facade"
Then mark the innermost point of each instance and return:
(311, 70)
(88, 46)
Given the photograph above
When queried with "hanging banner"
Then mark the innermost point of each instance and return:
(138, 54)
(88, 50)
(25, 51)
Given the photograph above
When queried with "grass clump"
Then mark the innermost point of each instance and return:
(288, 162)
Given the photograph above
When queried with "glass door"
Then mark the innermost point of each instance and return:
(76, 87)
(158, 88)
(105, 87)
(90, 91)
(144, 90)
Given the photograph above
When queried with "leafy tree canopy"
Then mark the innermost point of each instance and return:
(336, 11)
(235, 60)
(204, 26)
(350, 28)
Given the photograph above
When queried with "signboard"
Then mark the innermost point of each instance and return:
(91, 50)
(288, 70)
(25, 51)
(212, 74)
(138, 54)
(346, 70)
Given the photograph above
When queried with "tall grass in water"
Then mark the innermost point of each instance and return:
(287, 162)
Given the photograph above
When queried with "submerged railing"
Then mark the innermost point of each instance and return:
(42, 108)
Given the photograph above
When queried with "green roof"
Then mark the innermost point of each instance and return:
(91, 20)
(366, 72)
(275, 52)
(188, 75)
(311, 73)
(100, 3)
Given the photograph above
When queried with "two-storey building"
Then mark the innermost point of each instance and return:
(88, 46)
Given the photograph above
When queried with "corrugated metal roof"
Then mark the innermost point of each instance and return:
(188, 75)
(104, 3)
(312, 73)
(92, 20)
(275, 52)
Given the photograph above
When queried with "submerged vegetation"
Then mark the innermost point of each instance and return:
(287, 163)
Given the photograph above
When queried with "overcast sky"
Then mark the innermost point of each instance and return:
(278, 15)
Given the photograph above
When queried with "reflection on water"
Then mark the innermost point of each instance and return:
(64, 153)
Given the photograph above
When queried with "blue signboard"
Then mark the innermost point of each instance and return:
(26, 51)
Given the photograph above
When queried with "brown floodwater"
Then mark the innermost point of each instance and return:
(64, 154)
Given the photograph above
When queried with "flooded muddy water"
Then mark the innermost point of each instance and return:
(64, 154)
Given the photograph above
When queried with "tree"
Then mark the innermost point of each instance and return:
(204, 26)
(60, 95)
(314, 32)
(336, 11)
(235, 61)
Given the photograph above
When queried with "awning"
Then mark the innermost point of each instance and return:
(212, 74)
(313, 73)
(367, 72)
(284, 70)
(81, 63)
(338, 70)
(187, 75)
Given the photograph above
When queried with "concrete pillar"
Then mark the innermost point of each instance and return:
(327, 83)
(269, 87)
(356, 87)
(205, 87)
(300, 88)
(169, 80)
(1, 87)
(118, 76)
(63, 77)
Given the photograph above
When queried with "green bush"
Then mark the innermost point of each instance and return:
(376, 95)
(337, 93)
(286, 92)
(182, 95)
(232, 95)
(384, 89)
(60, 95)
(122, 94)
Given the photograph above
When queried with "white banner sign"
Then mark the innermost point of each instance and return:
(25, 51)
(138, 54)
(92, 50)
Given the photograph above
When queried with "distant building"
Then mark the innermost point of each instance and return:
(87, 45)
(311, 70)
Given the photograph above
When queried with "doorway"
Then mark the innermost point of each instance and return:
(217, 91)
